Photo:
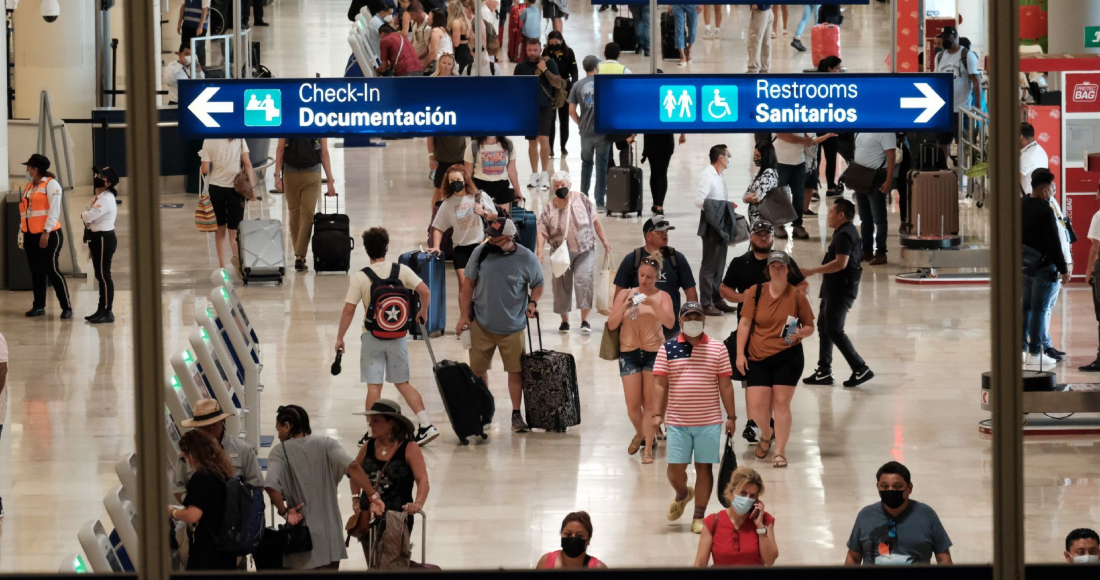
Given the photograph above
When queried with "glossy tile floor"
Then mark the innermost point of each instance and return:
(500, 504)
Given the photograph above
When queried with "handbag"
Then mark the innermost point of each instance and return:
(292, 539)
(740, 229)
(731, 340)
(609, 344)
(725, 470)
(859, 178)
(206, 221)
(559, 259)
(358, 525)
(1069, 229)
(605, 285)
(777, 207)
(241, 184)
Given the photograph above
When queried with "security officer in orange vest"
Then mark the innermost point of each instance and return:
(40, 234)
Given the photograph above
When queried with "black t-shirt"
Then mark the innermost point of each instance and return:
(671, 280)
(206, 491)
(746, 271)
(844, 283)
(532, 68)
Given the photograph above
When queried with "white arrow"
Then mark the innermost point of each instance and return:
(930, 102)
(202, 107)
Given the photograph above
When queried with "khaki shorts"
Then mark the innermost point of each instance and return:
(483, 344)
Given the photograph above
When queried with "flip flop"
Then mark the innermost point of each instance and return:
(780, 461)
(760, 446)
(647, 458)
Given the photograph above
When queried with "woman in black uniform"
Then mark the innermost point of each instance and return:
(658, 150)
(567, 66)
(99, 234)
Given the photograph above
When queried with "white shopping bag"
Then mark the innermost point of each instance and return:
(605, 285)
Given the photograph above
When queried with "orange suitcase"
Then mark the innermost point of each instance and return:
(934, 202)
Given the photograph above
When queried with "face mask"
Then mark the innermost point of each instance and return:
(28, 176)
(493, 248)
(555, 47)
(757, 161)
(947, 44)
(458, 186)
(892, 498)
(187, 60)
(561, 192)
(1086, 559)
(388, 18)
(573, 546)
(693, 328)
(100, 183)
(741, 504)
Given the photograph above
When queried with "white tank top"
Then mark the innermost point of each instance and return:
(445, 45)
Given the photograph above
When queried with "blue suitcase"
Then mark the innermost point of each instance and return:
(433, 271)
(526, 226)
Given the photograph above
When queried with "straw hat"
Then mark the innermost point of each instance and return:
(207, 412)
(388, 408)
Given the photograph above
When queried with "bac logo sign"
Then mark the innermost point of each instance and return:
(1085, 92)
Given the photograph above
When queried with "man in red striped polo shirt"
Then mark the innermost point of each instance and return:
(693, 383)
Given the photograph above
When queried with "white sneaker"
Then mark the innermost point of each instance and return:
(717, 34)
(534, 181)
(544, 180)
(1040, 361)
(1024, 359)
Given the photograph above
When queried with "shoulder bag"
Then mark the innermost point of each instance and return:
(731, 340)
(241, 184)
(777, 207)
(559, 259)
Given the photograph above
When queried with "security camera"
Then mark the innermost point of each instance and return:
(50, 10)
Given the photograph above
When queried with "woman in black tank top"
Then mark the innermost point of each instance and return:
(392, 461)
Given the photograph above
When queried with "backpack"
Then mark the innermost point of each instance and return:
(302, 153)
(559, 96)
(492, 40)
(389, 314)
(965, 58)
(667, 251)
(243, 520)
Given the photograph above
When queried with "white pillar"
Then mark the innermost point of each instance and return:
(1069, 37)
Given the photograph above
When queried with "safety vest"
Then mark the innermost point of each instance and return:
(192, 12)
(34, 206)
(611, 67)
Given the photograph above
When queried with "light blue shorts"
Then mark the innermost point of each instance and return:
(384, 360)
(705, 442)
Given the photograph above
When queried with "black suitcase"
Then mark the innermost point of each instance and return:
(668, 37)
(332, 241)
(624, 188)
(466, 399)
(624, 34)
(433, 272)
(551, 396)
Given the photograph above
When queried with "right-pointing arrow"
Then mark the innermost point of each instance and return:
(202, 107)
(930, 102)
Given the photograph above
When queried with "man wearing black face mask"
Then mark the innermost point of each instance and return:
(897, 530)
(962, 65)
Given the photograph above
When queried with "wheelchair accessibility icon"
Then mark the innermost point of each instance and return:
(721, 103)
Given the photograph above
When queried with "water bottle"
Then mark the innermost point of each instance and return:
(467, 342)
(431, 175)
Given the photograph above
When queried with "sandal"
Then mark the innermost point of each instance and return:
(647, 458)
(635, 445)
(761, 446)
(780, 461)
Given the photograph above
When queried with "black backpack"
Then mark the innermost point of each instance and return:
(302, 153)
(667, 251)
(390, 312)
(243, 519)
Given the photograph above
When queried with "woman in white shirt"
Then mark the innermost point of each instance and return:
(492, 162)
(465, 210)
(222, 160)
(99, 234)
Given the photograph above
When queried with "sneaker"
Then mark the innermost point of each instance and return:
(1051, 349)
(605, 8)
(534, 181)
(1040, 361)
(878, 260)
(810, 213)
(66, 313)
(780, 233)
(905, 229)
(819, 378)
(1092, 367)
(564, 328)
(697, 525)
(107, 317)
(800, 233)
(425, 435)
(717, 34)
(544, 180)
(300, 265)
(750, 432)
(834, 192)
(676, 508)
(712, 311)
(797, 44)
(585, 327)
(1054, 354)
(95, 314)
(645, 53)
(859, 377)
(518, 424)
(1024, 358)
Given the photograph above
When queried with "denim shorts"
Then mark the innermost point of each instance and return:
(635, 361)
(384, 360)
(705, 442)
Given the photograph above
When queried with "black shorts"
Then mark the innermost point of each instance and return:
(551, 10)
(783, 368)
(461, 256)
(228, 206)
(441, 171)
(500, 192)
(546, 122)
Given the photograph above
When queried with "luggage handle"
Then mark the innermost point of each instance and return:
(427, 342)
(324, 207)
(538, 325)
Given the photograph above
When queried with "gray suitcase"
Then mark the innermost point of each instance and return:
(624, 189)
(263, 255)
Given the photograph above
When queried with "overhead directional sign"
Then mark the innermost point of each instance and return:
(379, 107)
(774, 103)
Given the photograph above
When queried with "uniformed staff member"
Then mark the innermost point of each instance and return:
(40, 234)
(99, 234)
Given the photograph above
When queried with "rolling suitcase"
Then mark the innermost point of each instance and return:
(332, 241)
(526, 226)
(668, 37)
(260, 245)
(624, 188)
(624, 35)
(551, 397)
(466, 399)
(433, 271)
(824, 41)
(515, 37)
(933, 195)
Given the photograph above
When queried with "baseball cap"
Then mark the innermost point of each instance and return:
(948, 30)
(691, 308)
(110, 175)
(779, 257)
(40, 162)
(761, 226)
(502, 226)
(657, 223)
(590, 63)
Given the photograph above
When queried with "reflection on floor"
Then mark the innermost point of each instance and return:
(501, 503)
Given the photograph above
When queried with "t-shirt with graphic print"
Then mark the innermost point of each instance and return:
(582, 95)
(952, 63)
(491, 163)
(458, 213)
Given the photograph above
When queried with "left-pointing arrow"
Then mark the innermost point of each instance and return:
(202, 106)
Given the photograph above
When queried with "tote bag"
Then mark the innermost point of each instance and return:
(605, 285)
(559, 259)
(205, 219)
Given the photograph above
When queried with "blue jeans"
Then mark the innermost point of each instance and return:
(1039, 292)
(595, 150)
(681, 14)
(872, 212)
(809, 11)
(641, 24)
(1046, 343)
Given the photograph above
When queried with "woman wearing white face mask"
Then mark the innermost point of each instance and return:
(743, 534)
(1083, 547)
(774, 319)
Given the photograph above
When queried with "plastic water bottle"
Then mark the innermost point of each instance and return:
(467, 342)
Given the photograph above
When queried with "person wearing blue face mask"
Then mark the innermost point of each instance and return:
(1083, 547)
(743, 534)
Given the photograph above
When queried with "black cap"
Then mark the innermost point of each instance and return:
(761, 225)
(39, 162)
(108, 174)
(657, 223)
(948, 30)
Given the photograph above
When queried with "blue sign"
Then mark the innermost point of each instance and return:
(773, 103)
(372, 107)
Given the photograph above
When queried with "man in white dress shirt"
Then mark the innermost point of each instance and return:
(711, 185)
(1032, 157)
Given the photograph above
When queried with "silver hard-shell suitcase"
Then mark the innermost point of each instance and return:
(263, 255)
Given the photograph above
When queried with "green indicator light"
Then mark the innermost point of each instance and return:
(204, 335)
(187, 356)
(224, 293)
(81, 568)
(175, 382)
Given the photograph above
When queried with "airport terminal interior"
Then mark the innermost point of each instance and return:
(924, 329)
